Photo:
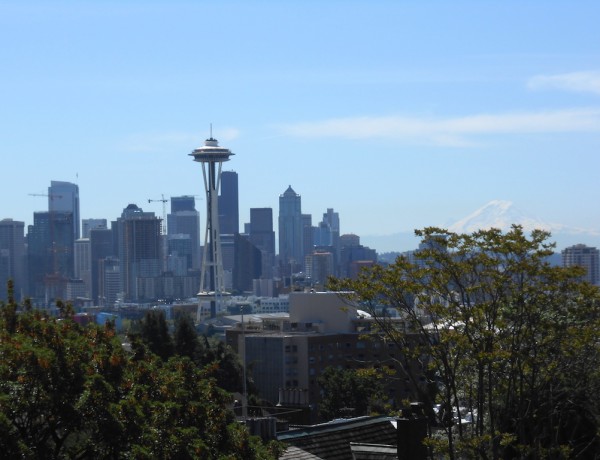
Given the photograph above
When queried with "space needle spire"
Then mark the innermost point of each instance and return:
(212, 282)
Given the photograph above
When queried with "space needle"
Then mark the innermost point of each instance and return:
(212, 282)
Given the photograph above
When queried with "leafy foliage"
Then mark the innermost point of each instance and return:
(73, 392)
(508, 338)
(348, 389)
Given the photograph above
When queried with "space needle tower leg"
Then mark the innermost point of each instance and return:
(212, 282)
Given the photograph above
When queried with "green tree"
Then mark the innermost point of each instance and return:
(505, 335)
(46, 366)
(348, 390)
(154, 332)
(225, 364)
(186, 341)
(73, 392)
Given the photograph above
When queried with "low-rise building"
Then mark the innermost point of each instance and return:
(286, 356)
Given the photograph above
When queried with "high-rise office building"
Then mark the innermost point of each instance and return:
(140, 254)
(83, 265)
(179, 260)
(87, 225)
(64, 196)
(291, 248)
(308, 244)
(318, 267)
(109, 281)
(332, 219)
(349, 240)
(327, 235)
(229, 214)
(184, 221)
(183, 203)
(50, 260)
(262, 236)
(101, 247)
(247, 264)
(12, 257)
(584, 256)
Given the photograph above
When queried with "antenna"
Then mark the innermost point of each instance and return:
(211, 131)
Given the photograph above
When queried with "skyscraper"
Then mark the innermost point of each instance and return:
(262, 236)
(182, 203)
(101, 247)
(64, 196)
(327, 235)
(290, 230)
(333, 220)
(87, 225)
(229, 220)
(83, 264)
(139, 245)
(247, 264)
(212, 282)
(184, 220)
(584, 256)
(50, 246)
(308, 244)
(12, 257)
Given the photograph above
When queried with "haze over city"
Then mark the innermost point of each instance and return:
(398, 115)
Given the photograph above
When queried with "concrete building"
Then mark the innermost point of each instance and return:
(287, 355)
(584, 256)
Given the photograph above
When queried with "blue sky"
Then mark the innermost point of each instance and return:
(397, 114)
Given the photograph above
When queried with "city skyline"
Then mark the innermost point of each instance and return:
(398, 115)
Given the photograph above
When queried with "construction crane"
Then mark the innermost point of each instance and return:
(52, 197)
(164, 201)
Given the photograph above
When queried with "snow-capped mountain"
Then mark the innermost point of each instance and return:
(499, 214)
(502, 214)
(495, 214)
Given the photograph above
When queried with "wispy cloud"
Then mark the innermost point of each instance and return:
(456, 131)
(168, 141)
(574, 81)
